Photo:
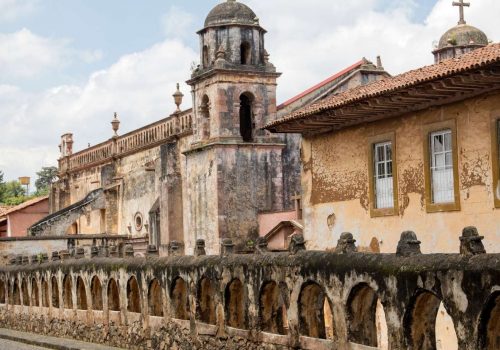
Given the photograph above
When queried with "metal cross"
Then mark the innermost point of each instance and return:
(461, 4)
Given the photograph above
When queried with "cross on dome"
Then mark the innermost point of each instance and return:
(461, 4)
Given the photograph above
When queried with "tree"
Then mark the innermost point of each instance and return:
(14, 193)
(46, 177)
(2, 187)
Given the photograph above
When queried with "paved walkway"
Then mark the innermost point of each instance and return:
(31, 341)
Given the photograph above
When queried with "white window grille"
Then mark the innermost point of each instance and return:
(442, 167)
(384, 184)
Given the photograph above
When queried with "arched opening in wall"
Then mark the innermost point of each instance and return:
(422, 328)
(55, 292)
(205, 57)
(16, 293)
(45, 293)
(235, 305)
(133, 295)
(313, 315)
(96, 293)
(272, 309)
(155, 299)
(246, 117)
(35, 296)
(73, 229)
(113, 296)
(206, 301)
(246, 53)
(24, 292)
(2, 292)
(180, 300)
(489, 323)
(362, 316)
(67, 296)
(205, 117)
(81, 295)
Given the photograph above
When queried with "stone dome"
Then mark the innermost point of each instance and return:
(231, 12)
(463, 35)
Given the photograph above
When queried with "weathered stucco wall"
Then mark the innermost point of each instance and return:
(336, 189)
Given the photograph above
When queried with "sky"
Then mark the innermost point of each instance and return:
(68, 65)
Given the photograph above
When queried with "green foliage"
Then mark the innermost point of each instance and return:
(13, 193)
(46, 176)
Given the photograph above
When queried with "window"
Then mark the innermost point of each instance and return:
(383, 177)
(245, 53)
(441, 167)
(205, 58)
(246, 122)
(495, 156)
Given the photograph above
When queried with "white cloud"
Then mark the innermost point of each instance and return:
(13, 9)
(177, 23)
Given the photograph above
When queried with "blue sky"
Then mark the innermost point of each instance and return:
(68, 65)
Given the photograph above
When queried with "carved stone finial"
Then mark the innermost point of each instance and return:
(128, 251)
(25, 260)
(152, 251)
(178, 96)
(34, 259)
(346, 244)
(227, 247)
(174, 248)
(408, 244)
(94, 251)
(79, 253)
(297, 244)
(56, 256)
(44, 258)
(200, 248)
(115, 124)
(470, 242)
(262, 245)
(64, 254)
(113, 251)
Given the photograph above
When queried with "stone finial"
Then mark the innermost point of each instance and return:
(56, 256)
(261, 245)
(113, 251)
(79, 253)
(34, 260)
(44, 258)
(115, 124)
(19, 259)
(25, 260)
(408, 244)
(470, 242)
(128, 251)
(379, 63)
(174, 248)
(297, 244)
(178, 96)
(227, 247)
(199, 249)
(94, 251)
(346, 244)
(152, 251)
(220, 57)
(12, 260)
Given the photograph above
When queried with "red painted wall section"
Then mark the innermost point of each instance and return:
(22, 219)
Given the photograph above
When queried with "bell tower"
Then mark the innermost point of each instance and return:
(234, 168)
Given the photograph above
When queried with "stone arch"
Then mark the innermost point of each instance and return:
(205, 117)
(96, 293)
(245, 53)
(205, 56)
(67, 294)
(314, 311)
(45, 293)
(420, 322)
(133, 295)
(2, 292)
(113, 295)
(81, 294)
(235, 309)
(180, 300)
(35, 296)
(362, 315)
(16, 293)
(272, 309)
(246, 116)
(155, 298)
(489, 323)
(24, 292)
(206, 301)
(55, 292)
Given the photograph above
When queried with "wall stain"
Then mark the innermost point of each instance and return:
(411, 180)
(475, 170)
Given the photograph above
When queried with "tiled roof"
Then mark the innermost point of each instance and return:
(24, 205)
(474, 60)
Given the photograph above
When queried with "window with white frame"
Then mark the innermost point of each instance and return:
(441, 150)
(384, 183)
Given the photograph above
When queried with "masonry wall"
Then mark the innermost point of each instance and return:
(21, 220)
(336, 188)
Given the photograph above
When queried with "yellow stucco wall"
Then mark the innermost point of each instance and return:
(336, 189)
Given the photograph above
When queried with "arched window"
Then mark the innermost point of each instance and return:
(113, 296)
(155, 299)
(235, 305)
(180, 301)
(81, 295)
(205, 58)
(133, 295)
(96, 292)
(206, 301)
(205, 117)
(315, 318)
(246, 122)
(67, 297)
(55, 292)
(245, 53)
(272, 309)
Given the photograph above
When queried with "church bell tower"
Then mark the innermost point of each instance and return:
(234, 168)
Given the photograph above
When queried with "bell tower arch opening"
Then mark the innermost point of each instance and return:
(204, 56)
(205, 117)
(245, 53)
(246, 117)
